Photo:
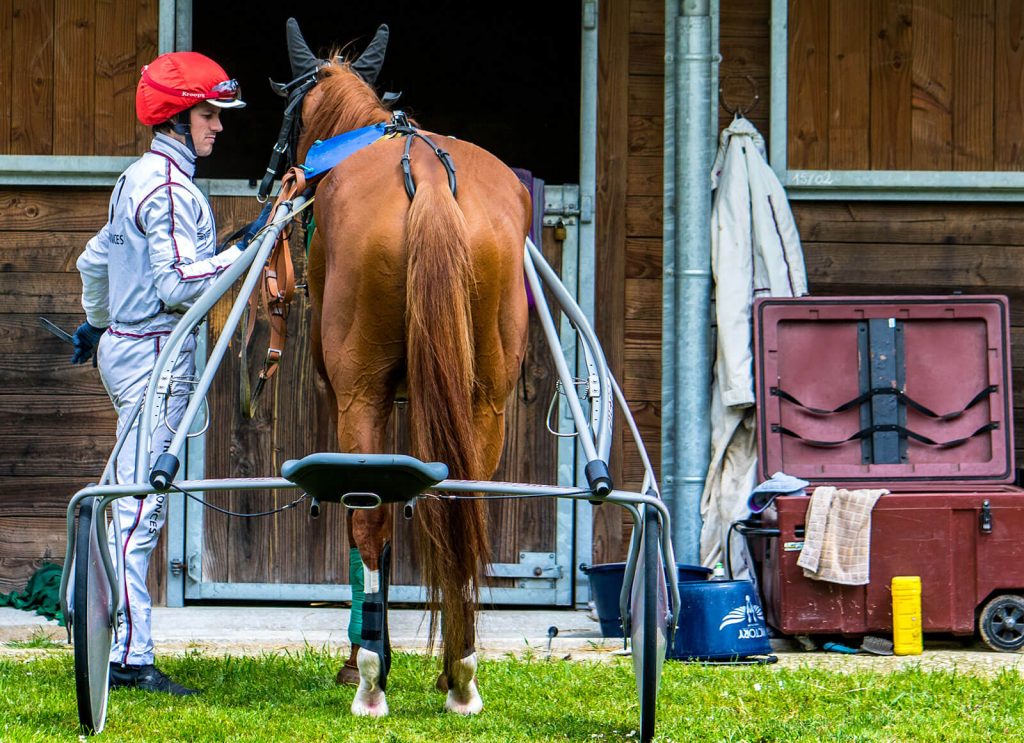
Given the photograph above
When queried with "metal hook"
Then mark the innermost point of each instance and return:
(738, 110)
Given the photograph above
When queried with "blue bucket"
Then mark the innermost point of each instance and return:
(719, 620)
(606, 586)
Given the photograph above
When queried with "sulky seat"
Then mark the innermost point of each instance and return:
(363, 480)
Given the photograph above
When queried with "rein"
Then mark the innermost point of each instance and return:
(276, 291)
(295, 91)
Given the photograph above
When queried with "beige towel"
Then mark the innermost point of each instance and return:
(837, 535)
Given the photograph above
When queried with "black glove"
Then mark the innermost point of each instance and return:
(244, 235)
(85, 340)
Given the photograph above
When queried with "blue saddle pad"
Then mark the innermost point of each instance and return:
(326, 153)
(393, 477)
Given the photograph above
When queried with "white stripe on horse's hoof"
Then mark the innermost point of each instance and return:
(369, 700)
(463, 696)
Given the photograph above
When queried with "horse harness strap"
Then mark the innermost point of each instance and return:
(276, 291)
(402, 129)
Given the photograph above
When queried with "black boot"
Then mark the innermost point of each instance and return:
(147, 678)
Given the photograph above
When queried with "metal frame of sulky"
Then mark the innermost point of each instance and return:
(593, 434)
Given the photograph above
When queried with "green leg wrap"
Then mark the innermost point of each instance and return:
(355, 577)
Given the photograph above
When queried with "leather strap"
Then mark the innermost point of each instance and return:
(886, 427)
(898, 394)
(276, 291)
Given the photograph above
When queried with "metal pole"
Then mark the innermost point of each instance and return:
(687, 354)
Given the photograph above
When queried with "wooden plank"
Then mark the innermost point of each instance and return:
(74, 70)
(745, 19)
(642, 379)
(47, 210)
(646, 18)
(1009, 79)
(63, 451)
(647, 54)
(32, 86)
(58, 416)
(147, 22)
(644, 176)
(643, 258)
(49, 373)
(6, 72)
(643, 300)
(619, 96)
(15, 572)
(880, 268)
(644, 216)
(116, 78)
(932, 85)
(891, 50)
(746, 56)
(646, 135)
(974, 35)
(43, 497)
(42, 293)
(646, 95)
(934, 223)
(647, 416)
(807, 107)
(30, 251)
(849, 85)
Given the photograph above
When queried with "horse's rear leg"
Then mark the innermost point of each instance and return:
(459, 680)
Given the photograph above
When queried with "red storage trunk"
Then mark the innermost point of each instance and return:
(911, 394)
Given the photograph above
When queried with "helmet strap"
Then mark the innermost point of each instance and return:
(182, 124)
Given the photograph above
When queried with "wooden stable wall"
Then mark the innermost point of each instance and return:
(629, 196)
(850, 247)
(924, 85)
(68, 70)
(57, 422)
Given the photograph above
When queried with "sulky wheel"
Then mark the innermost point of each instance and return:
(91, 629)
(649, 630)
(1001, 623)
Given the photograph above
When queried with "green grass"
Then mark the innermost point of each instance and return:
(39, 640)
(293, 698)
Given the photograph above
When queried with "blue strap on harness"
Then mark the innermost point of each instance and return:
(326, 153)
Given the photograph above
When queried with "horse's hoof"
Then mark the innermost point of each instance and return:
(376, 706)
(348, 675)
(470, 703)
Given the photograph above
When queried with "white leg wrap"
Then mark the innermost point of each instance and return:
(463, 696)
(371, 580)
(369, 700)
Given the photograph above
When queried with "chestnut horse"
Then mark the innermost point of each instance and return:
(423, 296)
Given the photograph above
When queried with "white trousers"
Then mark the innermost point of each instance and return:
(126, 363)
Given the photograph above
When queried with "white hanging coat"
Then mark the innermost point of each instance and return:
(755, 251)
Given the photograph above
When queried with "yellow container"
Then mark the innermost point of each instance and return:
(906, 615)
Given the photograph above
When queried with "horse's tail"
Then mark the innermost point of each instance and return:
(451, 535)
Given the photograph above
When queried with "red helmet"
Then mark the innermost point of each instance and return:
(176, 81)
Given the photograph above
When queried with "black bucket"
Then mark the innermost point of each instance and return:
(606, 586)
(719, 621)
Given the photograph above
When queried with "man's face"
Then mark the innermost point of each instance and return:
(205, 121)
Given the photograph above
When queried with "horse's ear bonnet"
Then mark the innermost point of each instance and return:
(304, 62)
(302, 59)
(369, 63)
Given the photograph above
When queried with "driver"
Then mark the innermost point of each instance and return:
(145, 267)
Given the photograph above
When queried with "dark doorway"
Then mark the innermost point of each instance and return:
(505, 76)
